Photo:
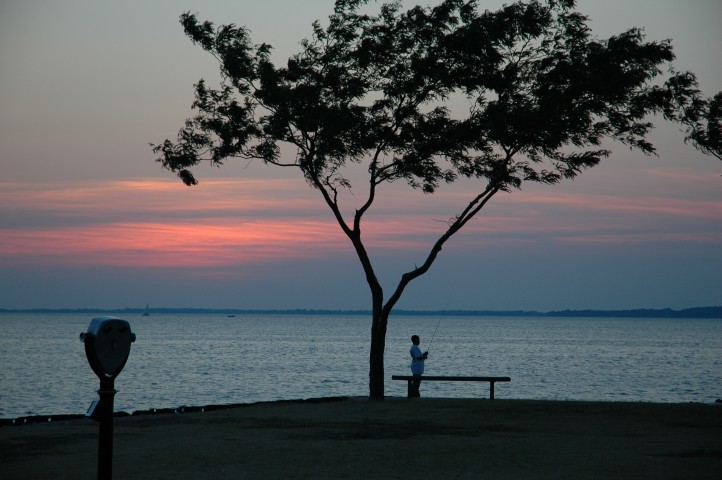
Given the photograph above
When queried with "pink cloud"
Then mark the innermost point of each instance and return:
(702, 208)
(161, 223)
(154, 195)
(645, 238)
(170, 245)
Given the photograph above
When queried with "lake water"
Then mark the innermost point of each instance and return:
(198, 360)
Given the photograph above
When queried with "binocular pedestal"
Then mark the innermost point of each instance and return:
(106, 392)
(107, 346)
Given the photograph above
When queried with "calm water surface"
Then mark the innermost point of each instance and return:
(212, 359)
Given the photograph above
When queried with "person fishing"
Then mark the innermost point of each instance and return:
(417, 365)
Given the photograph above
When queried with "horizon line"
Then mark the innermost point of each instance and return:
(693, 312)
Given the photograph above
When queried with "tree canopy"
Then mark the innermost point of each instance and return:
(377, 90)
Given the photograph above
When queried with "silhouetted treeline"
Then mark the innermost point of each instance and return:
(697, 312)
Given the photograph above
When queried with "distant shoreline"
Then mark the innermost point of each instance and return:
(714, 312)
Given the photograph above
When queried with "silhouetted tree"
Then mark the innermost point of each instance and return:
(376, 90)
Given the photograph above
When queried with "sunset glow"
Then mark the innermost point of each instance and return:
(88, 217)
(233, 223)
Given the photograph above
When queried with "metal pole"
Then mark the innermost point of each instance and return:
(105, 438)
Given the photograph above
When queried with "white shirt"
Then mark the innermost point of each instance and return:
(417, 362)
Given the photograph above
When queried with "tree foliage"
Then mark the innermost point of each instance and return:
(542, 94)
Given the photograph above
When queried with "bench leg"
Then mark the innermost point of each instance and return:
(491, 390)
(408, 389)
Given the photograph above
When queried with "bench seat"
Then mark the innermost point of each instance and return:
(441, 378)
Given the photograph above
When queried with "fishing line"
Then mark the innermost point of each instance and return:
(438, 323)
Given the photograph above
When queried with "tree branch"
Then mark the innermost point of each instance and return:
(474, 206)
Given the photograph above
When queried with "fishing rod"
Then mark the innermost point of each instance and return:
(437, 324)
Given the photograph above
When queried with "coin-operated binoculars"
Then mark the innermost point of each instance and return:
(107, 346)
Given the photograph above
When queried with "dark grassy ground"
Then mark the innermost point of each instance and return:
(397, 438)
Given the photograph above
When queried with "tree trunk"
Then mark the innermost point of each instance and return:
(376, 355)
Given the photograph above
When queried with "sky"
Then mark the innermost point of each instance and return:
(89, 219)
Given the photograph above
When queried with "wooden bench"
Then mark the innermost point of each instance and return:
(437, 378)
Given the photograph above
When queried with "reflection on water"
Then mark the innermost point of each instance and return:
(211, 359)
